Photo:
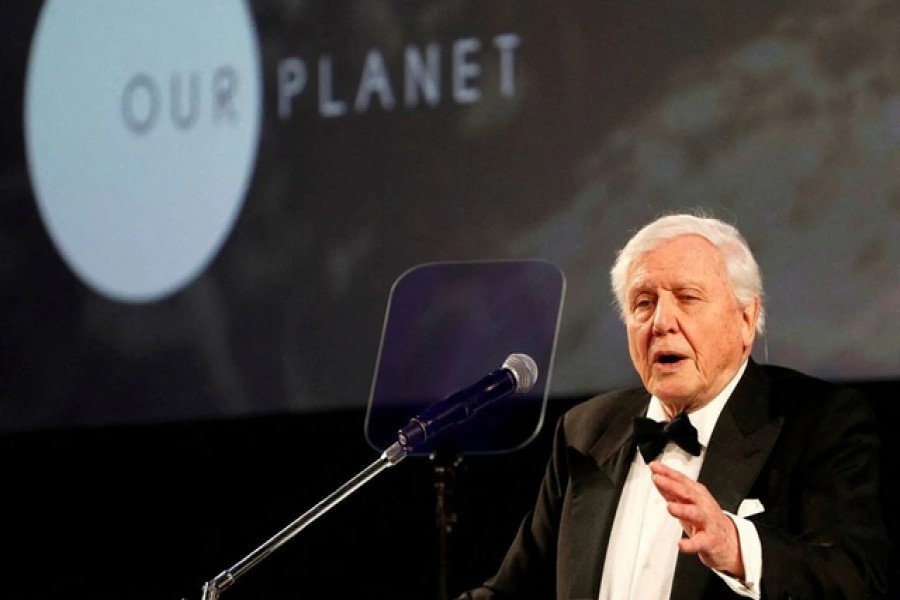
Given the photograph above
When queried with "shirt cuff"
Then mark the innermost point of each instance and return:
(751, 553)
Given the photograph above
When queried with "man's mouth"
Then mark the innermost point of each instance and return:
(668, 359)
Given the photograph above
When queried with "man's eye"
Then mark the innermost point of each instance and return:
(641, 304)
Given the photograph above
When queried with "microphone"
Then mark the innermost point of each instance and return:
(518, 374)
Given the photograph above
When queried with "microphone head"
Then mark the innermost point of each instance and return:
(523, 369)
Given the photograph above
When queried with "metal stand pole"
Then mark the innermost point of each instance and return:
(225, 579)
(446, 468)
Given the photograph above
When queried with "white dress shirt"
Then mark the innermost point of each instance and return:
(643, 544)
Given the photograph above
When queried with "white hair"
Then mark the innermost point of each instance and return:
(743, 272)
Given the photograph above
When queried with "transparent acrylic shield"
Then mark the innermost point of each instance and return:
(450, 324)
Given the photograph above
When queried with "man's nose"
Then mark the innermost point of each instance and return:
(665, 317)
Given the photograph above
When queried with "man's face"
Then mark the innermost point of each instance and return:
(686, 334)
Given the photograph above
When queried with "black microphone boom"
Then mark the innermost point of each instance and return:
(517, 375)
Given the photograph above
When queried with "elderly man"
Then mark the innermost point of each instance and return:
(720, 478)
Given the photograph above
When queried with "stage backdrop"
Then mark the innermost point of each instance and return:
(204, 206)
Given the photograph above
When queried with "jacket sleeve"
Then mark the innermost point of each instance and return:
(834, 544)
(529, 568)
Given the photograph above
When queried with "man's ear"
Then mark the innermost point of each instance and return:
(749, 317)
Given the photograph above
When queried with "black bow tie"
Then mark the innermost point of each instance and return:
(652, 436)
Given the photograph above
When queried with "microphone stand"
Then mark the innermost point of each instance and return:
(225, 579)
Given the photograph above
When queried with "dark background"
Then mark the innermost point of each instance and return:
(148, 446)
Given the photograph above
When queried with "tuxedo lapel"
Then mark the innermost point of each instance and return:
(740, 444)
(597, 480)
(741, 441)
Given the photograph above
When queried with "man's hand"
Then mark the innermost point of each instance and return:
(711, 534)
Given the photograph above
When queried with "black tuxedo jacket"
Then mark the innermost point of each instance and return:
(806, 449)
